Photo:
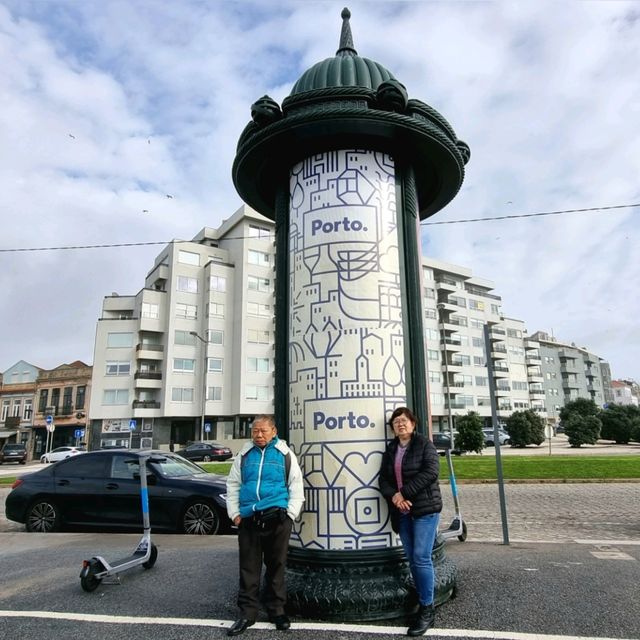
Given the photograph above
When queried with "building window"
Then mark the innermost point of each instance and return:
(258, 309)
(15, 410)
(478, 342)
(119, 340)
(432, 334)
(430, 313)
(258, 365)
(217, 283)
(460, 360)
(44, 398)
(215, 365)
(184, 365)
(428, 273)
(476, 324)
(150, 310)
(115, 396)
(189, 285)
(481, 381)
(184, 337)
(81, 393)
(495, 309)
(479, 361)
(189, 311)
(259, 284)
(257, 336)
(429, 293)
(434, 376)
(55, 399)
(256, 392)
(188, 257)
(214, 393)
(182, 394)
(67, 401)
(484, 401)
(258, 232)
(216, 310)
(215, 336)
(28, 409)
(518, 385)
(514, 333)
(467, 401)
(5, 409)
(476, 305)
(118, 368)
(257, 257)
(433, 354)
(437, 398)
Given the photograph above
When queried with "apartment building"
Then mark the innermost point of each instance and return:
(17, 393)
(625, 392)
(569, 372)
(190, 356)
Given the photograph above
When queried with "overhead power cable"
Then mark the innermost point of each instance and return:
(425, 223)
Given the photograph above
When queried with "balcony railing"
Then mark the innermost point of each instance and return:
(148, 375)
(145, 346)
(146, 404)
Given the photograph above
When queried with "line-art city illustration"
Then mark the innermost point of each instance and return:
(346, 351)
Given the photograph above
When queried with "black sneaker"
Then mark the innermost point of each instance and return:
(281, 621)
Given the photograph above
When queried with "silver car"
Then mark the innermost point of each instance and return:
(489, 437)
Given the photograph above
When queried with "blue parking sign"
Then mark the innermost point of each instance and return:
(207, 427)
(132, 425)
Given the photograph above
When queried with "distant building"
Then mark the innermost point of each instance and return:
(17, 393)
(64, 394)
(623, 393)
(570, 372)
(195, 345)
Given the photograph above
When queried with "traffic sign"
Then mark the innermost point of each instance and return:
(49, 419)
(51, 428)
(78, 433)
(207, 427)
(132, 425)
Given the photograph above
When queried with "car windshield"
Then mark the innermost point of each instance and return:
(175, 467)
(13, 447)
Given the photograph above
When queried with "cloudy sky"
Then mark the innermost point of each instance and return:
(107, 107)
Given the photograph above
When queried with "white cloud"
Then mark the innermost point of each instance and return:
(155, 96)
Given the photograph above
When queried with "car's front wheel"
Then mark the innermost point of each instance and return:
(43, 516)
(206, 458)
(200, 518)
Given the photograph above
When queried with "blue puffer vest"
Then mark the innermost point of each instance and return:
(263, 480)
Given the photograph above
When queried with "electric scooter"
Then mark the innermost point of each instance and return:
(95, 570)
(458, 527)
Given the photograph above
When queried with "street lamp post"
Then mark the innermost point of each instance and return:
(440, 307)
(204, 380)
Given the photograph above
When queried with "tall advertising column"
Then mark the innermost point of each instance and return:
(347, 168)
(346, 351)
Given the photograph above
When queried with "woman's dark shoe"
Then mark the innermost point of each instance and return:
(424, 621)
(281, 621)
(239, 626)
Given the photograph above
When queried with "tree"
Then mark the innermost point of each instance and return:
(581, 406)
(618, 422)
(525, 427)
(470, 437)
(581, 429)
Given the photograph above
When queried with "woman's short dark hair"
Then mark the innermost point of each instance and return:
(402, 411)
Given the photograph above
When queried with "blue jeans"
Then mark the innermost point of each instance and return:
(418, 536)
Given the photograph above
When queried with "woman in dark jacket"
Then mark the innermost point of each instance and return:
(409, 482)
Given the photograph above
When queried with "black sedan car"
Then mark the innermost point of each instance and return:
(205, 451)
(102, 489)
(442, 442)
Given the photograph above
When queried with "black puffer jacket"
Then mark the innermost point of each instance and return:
(420, 470)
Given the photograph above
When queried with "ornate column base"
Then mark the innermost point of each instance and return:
(349, 586)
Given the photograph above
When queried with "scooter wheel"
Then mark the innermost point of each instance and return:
(152, 558)
(463, 536)
(90, 582)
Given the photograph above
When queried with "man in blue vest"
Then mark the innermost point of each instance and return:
(264, 497)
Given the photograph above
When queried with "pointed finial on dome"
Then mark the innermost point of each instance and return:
(346, 39)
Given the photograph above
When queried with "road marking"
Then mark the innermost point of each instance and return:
(611, 555)
(302, 626)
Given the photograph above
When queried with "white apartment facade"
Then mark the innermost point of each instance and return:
(191, 355)
(196, 341)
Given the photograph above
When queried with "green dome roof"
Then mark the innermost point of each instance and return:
(346, 69)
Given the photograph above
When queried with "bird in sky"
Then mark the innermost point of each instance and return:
(145, 211)
(71, 135)
(168, 196)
